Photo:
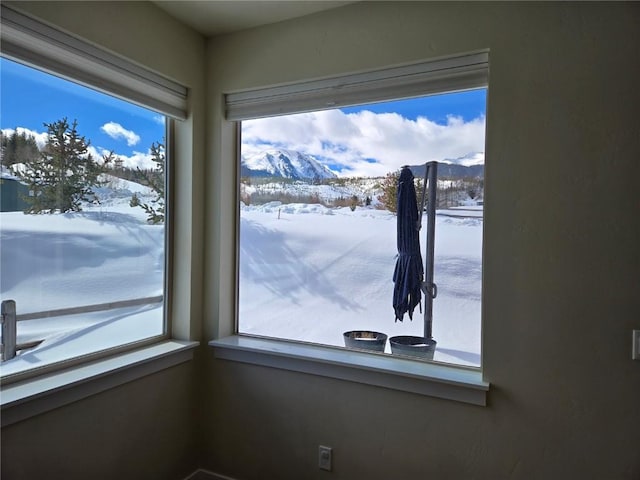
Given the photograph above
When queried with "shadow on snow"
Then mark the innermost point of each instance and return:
(279, 269)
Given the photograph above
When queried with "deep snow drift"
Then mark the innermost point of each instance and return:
(310, 273)
(307, 273)
(105, 253)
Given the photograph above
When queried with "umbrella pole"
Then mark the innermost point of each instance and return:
(429, 288)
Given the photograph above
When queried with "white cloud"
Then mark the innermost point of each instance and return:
(159, 119)
(366, 143)
(144, 160)
(137, 159)
(40, 138)
(117, 131)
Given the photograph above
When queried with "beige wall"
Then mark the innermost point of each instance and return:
(144, 429)
(561, 266)
(561, 283)
(140, 430)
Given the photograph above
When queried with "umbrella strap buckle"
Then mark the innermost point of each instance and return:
(430, 289)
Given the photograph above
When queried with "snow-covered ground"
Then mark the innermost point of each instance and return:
(307, 273)
(105, 253)
(310, 273)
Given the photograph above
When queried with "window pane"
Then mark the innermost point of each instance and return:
(318, 238)
(82, 217)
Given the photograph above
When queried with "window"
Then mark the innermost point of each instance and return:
(85, 199)
(317, 232)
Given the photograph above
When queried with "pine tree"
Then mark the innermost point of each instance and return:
(353, 203)
(155, 180)
(389, 197)
(63, 174)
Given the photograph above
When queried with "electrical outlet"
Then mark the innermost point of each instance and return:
(324, 458)
(635, 352)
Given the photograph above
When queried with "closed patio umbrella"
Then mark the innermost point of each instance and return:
(408, 273)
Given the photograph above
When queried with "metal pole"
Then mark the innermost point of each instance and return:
(429, 288)
(9, 331)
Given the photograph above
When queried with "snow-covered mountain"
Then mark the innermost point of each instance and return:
(286, 164)
(470, 165)
(468, 160)
(301, 166)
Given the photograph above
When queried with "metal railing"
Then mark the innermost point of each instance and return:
(10, 318)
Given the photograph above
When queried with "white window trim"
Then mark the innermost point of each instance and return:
(451, 74)
(424, 378)
(29, 40)
(443, 75)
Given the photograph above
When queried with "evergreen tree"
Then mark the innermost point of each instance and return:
(156, 180)
(18, 148)
(353, 203)
(63, 174)
(389, 197)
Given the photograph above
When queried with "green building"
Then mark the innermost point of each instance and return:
(12, 192)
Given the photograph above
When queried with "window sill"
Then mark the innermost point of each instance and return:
(26, 399)
(431, 379)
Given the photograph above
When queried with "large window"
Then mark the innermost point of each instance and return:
(82, 227)
(85, 200)
(318, 236)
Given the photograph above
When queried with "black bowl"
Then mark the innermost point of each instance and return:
(413, 346)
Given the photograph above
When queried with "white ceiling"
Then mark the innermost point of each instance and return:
(215, 17)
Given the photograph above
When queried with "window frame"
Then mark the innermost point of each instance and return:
(33, 42)
(43, 47)
(443, 75)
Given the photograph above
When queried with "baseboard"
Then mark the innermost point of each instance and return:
(202, 474)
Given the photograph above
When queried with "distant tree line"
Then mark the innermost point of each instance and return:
(452, 191)
(17, 148)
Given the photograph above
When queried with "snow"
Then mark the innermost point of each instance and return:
(468, 160)
(307, 272)
(7, 174)
(311, 273)
(328, 192)
(105, 253)
(288, 164)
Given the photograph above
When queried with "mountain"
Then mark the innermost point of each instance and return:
(301, 166)
(286, 164)
(469, 165)
(468, 160)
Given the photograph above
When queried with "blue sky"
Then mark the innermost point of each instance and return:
(29, 98)
(375, 139)
(368, 140)
(467, 105)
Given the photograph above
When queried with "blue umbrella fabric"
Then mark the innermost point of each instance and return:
(409, 272)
